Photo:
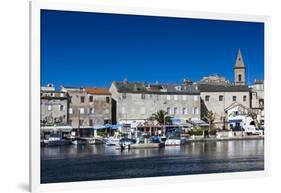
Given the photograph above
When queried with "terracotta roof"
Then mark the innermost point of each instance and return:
(101, 91)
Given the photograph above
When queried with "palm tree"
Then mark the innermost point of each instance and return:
(210, 118)
(162, 119)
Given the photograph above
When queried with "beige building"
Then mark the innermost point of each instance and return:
(257, 99)
(53, 107)
(136, 102)
(217, 93)
(88, 107)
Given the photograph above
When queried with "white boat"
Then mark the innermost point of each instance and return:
(87, 140)
(56, 140)
(174, 141)
(112, 141)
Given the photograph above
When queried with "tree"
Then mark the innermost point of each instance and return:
(254, 115)
(210, 118)
(161, 118)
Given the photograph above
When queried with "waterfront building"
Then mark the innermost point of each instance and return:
(53, 107)
(135, 102)
(257, 99)
(88, 107)
(217, 93)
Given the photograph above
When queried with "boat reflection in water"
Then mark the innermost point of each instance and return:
(100, 162)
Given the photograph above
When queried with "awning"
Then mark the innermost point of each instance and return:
(200, 123)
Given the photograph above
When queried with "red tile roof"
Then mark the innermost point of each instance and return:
(100, 91)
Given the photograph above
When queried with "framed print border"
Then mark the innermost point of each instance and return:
(36, 6)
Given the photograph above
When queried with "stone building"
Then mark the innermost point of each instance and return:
(217, 93)
(257, 99)
(54, 106)
(136, 102)
(88, 107)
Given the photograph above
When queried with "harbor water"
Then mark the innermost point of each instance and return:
(100, 162)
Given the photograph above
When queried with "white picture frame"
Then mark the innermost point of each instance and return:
(36, 6)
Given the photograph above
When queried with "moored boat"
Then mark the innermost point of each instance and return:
(56, 140)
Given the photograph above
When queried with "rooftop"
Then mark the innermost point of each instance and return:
(98, 91)
(222, 88)
(137, 87)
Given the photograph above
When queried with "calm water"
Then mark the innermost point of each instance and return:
(99, 162)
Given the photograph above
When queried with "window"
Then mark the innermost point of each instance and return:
(61, 94)
(184, 97)
(70, 110)
(244, 98)
(195, 111)
(221, 98)
(91, 110)
(70, 122)
(207, 98)
(106, 111)
(107, 99)
(234, 98)
(82, 111)
(49, 107)
(196, 98)
(124, 96)
(168, 97)
(184, 111)
(143, 96)
(175, 97)
(168, 110)
(91, 122)
(239, 77)
(61, 107)
(91, 98)
(175, 110)
(81, 122)
(82, 99)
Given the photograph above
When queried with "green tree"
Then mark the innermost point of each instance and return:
(162, 118)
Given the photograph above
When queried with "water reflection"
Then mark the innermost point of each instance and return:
(219, 149)
(97, 162)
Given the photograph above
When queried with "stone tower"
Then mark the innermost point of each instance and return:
(239, 70)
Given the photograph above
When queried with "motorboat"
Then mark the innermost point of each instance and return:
(125, 143)
(87, 141)
(175, 139)
(112, 141)
(56, 140)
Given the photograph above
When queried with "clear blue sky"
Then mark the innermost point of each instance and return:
(94, 49)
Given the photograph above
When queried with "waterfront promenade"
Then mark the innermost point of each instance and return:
(101, 162)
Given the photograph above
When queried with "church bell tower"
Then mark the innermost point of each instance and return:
(239, 70)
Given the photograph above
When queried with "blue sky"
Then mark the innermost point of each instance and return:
(94, 49)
